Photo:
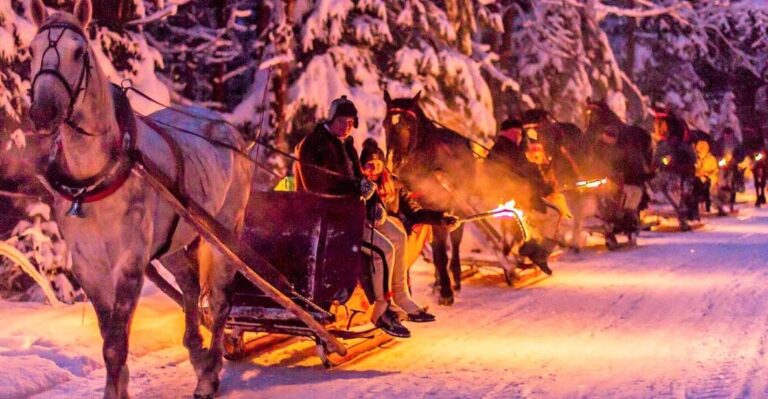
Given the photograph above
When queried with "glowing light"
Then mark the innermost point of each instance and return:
(592, 183)
(507, 209)
(759, 156)
(666, 160)
(722, 163)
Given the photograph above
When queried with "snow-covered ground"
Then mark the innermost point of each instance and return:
(683, 315)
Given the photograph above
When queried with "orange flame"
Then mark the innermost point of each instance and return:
(592, 183)
(507, 209)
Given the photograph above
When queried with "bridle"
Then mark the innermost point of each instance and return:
(85, 71)
(117, 170)
(413, 139)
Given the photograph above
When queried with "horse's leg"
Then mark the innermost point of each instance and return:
(760, 184)
(216, 275)
(456, 237)
(440, 258)
(185, 273)
(115, 305)
(578, 221)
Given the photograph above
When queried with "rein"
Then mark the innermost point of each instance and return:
(414, 115)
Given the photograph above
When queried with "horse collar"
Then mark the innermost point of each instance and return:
(111, 177)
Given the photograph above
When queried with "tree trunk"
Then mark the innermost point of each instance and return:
(113, 14)
(629, 62)
(280, 80)
(218, 91)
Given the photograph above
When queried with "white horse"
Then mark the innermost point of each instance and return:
(123, 224)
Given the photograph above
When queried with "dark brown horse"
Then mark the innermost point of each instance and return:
(432, 161)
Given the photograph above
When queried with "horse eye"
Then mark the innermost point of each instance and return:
(78, 53)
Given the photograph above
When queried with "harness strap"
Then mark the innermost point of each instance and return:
(178, 154)
(168, 238)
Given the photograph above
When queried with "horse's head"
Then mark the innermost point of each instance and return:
(402, 124)
(666, 125)
(61, 63)
(595, 113)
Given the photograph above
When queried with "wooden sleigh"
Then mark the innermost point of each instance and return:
(301, 271)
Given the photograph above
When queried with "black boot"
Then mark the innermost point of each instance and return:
(421, 316)
(389, 322)
(537, 254)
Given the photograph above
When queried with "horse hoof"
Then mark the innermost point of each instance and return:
(206, 389)
(446, 300)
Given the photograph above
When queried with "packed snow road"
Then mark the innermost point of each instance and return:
(683, 315)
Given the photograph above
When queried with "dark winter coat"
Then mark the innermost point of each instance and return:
(510, 158)
(321, 148)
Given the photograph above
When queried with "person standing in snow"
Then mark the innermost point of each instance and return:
(733, 161)
(331, 147)
(707, 177)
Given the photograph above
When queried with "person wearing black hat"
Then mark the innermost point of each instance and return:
(404, 213)
(507, 160)
(331, 147)
(675, 165)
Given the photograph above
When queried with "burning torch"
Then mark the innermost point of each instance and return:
(508, 209)
(594, 183)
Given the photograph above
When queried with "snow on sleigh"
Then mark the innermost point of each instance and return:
(300, 267)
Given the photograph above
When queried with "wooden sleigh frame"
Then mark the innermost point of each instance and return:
(265, 300)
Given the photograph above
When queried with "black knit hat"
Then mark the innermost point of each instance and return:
(371, 150)
(511, 123)
(342, 107)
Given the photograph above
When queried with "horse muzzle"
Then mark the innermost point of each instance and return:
(46, 113)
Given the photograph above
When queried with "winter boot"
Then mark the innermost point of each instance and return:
(421, 316)
(389, 322)
(537, 254)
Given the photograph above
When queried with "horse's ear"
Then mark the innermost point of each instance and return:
(417, 97)
(387, 97)
(83, 11)
(38, 12)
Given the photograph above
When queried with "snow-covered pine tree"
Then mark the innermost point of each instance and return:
(39, 239)
(361, 48)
